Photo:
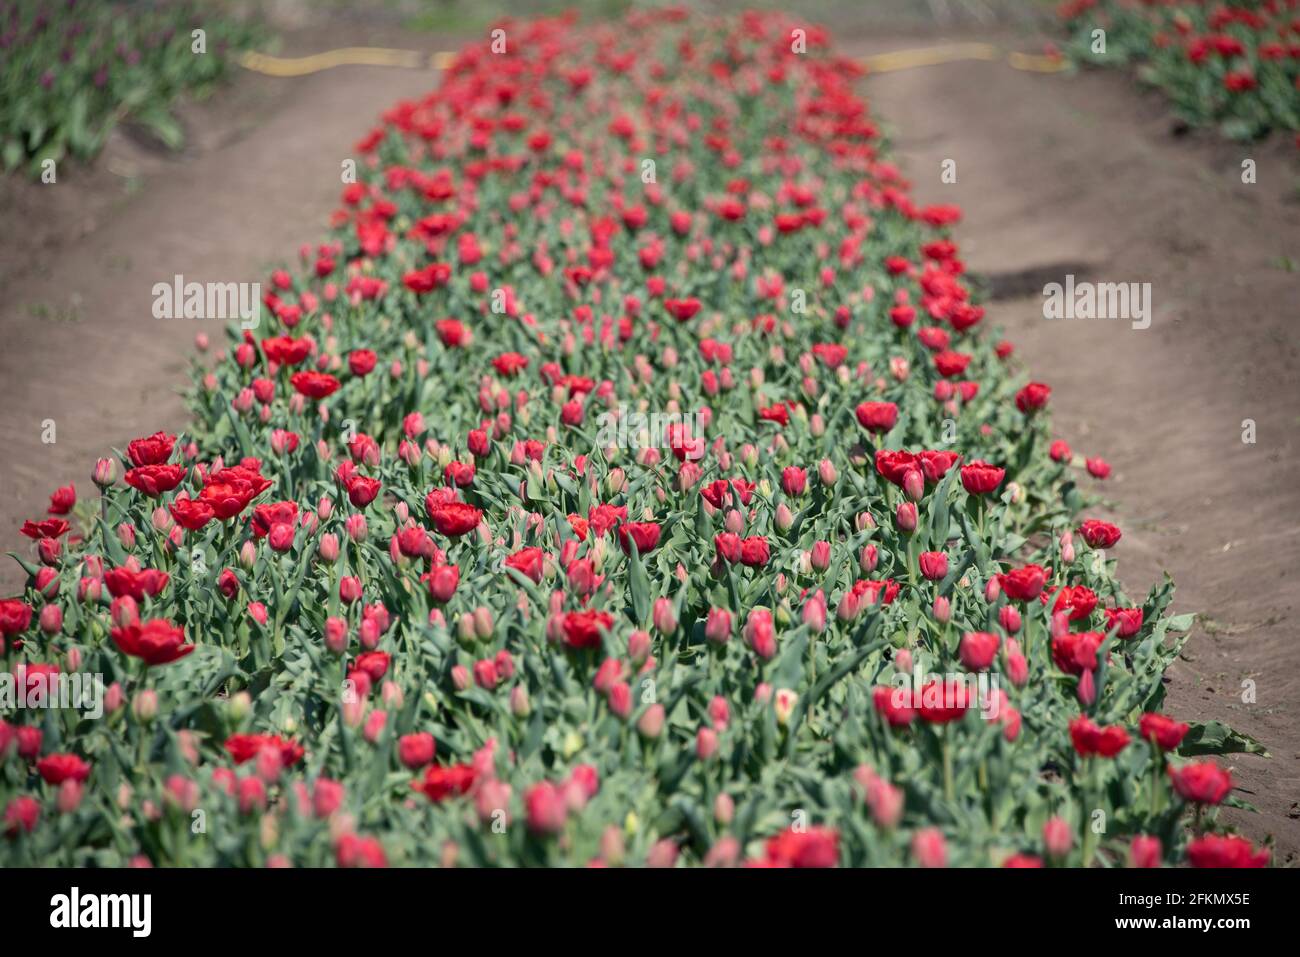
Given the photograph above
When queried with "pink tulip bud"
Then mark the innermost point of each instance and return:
(336, 635)
(1067, 547)
(662, 854)
(868, 559)
(814, 612)
(784, 518)
(929, 848)
(914, 484)
(724, 809)
(886, 803)
(718, 626)
(638, 646)
(375, 724)
(941, 609)
(651, 723)
(69, 798)
(1145, 851)
(104, 473)
(1087, 688)
(1017, 669)
(145, 705)
(905, 518)
(51, 619)
(663, 616)
(706, 743)
(1057, 837)
(47, 583)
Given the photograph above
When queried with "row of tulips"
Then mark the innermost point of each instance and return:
(1231, 65)
(628, 479)
(71, 70)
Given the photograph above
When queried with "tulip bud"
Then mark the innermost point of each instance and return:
(336, 635)
(328, 548)
(724, 809)
(826, 473)
(785, 701)
(914, 484)
(612, 849)
(126, 535)
(239, 706)
(718, 625)
(69, 798)
(1087, 689)
(1145, 851)
(784, 517)
(706, 743)
(638, 646)
(941, 609)
(145, 705)
(651, 723)
(929, 848)
(868, 559)
(814, 612)
(905, 518)
(51, 619)
(1067, 548)
(664, 617)
(1057, 837)
(104, 473)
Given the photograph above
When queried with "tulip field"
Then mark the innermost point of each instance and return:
(1236, 66)
(629, 477)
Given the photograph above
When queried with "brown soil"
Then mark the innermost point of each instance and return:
(1056, 174)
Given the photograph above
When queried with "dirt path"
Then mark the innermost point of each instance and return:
(1080, 174)
(1074, 173)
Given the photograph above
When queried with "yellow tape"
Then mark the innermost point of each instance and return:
(347, 56)
(412, 59)
(954, 52)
